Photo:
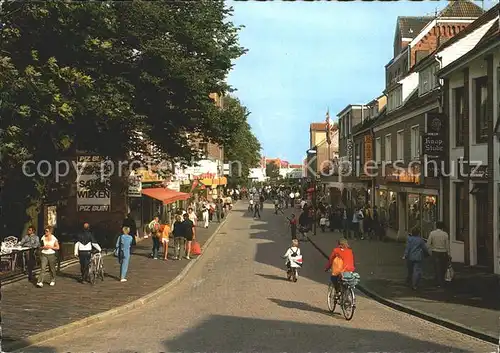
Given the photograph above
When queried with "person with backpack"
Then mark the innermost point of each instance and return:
(293, 260)
(154, 228)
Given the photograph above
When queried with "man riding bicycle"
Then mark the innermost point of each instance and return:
(341, 260)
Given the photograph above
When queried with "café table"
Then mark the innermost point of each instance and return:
(12, 253)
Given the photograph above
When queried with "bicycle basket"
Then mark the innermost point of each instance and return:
(351, 279)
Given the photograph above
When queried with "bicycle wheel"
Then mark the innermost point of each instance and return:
(294, 275)
(332, 302)
(92, 273)
(348, 303)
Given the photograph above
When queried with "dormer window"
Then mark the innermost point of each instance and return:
(395, 98)
(427, 79)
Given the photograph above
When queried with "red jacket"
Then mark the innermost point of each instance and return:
(347, 256)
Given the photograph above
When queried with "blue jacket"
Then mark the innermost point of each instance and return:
(416, 248)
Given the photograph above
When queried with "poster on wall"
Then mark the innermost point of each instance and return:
(93, 186)
(52, 216)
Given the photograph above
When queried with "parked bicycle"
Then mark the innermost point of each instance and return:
(96, 268)
(346, 298)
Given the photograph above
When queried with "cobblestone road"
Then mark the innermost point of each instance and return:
(236, 299)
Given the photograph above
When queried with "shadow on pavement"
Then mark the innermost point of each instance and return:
(237, 334)
(301, 306)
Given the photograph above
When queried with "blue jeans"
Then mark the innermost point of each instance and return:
(156, 246)
(124, 267)
(414, 272)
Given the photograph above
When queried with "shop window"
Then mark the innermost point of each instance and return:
(429, 214)
(459, 211)
(414, 211)
(481, 109)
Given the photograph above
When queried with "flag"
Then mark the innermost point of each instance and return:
(328, 128)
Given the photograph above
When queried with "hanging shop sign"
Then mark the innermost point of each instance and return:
(93, 187)
(134, 186)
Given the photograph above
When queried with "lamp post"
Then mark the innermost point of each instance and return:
(311, 153)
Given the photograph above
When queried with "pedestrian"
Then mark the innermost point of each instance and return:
(154, 228)
(179, 240)
(256, 210)
(293, 226)
(439, 245)
(123, 244)
(165, 234)
(31, 241)
(48, 258)
(355, 223)
(322, 222)
(292, 198)
(205, 214)
(218, 209)
(415, 252)
(188, 232)
(83, 248)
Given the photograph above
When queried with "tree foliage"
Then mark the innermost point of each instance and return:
(272, 170)
(107, 77)
(242, 149)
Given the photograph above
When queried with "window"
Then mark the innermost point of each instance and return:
(459, 211)
(400, 145)
(481, 109)
(415, 142)
(203, 147)
(458, 111)
(394, 98)
(427, 79)
(378, 150)
(387, 146)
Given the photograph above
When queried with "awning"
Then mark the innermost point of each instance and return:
(165, 195)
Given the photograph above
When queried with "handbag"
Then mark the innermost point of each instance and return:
(450, 273)
(119, 251)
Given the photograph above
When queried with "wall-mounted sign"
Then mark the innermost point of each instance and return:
(134, 186)
(434, 141)
(93, 188)
(368, 145)
(403, 174)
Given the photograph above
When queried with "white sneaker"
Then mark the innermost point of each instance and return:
(188, 258)
(123, 280)
(52, 284)
(39, 284)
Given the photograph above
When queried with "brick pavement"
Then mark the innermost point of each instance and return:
(471, 299)
(28, 310)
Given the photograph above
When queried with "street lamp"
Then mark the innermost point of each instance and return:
(313, 152)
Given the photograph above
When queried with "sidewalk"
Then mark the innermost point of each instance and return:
(28, 310)
(470, 300)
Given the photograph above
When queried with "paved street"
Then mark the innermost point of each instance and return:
(236, 299)
(24, 314)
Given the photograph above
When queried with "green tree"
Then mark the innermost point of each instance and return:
(272, 171)
(242, 149)
(106, 78)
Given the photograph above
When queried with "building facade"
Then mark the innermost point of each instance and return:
(472, 98)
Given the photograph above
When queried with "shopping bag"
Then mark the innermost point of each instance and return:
(195, 248)
(297, 260)
(449, 274)
(337, 266)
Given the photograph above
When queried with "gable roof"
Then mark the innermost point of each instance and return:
(481, 21)
(410, 26)
(462, 9)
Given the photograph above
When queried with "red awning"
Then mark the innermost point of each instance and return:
(165, 195)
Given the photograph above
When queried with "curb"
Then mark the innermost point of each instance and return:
(421, 314)
(148, 298)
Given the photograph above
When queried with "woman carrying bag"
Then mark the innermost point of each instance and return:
(122, 251)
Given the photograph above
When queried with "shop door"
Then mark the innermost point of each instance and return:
(481, 225)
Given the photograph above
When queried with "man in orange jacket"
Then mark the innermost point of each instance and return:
(345, 253)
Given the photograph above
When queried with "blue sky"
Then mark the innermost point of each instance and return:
(305, 57)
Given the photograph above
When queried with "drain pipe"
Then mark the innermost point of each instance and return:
(439, 59)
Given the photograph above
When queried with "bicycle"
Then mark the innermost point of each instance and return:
(96, 268)
(347, 299)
